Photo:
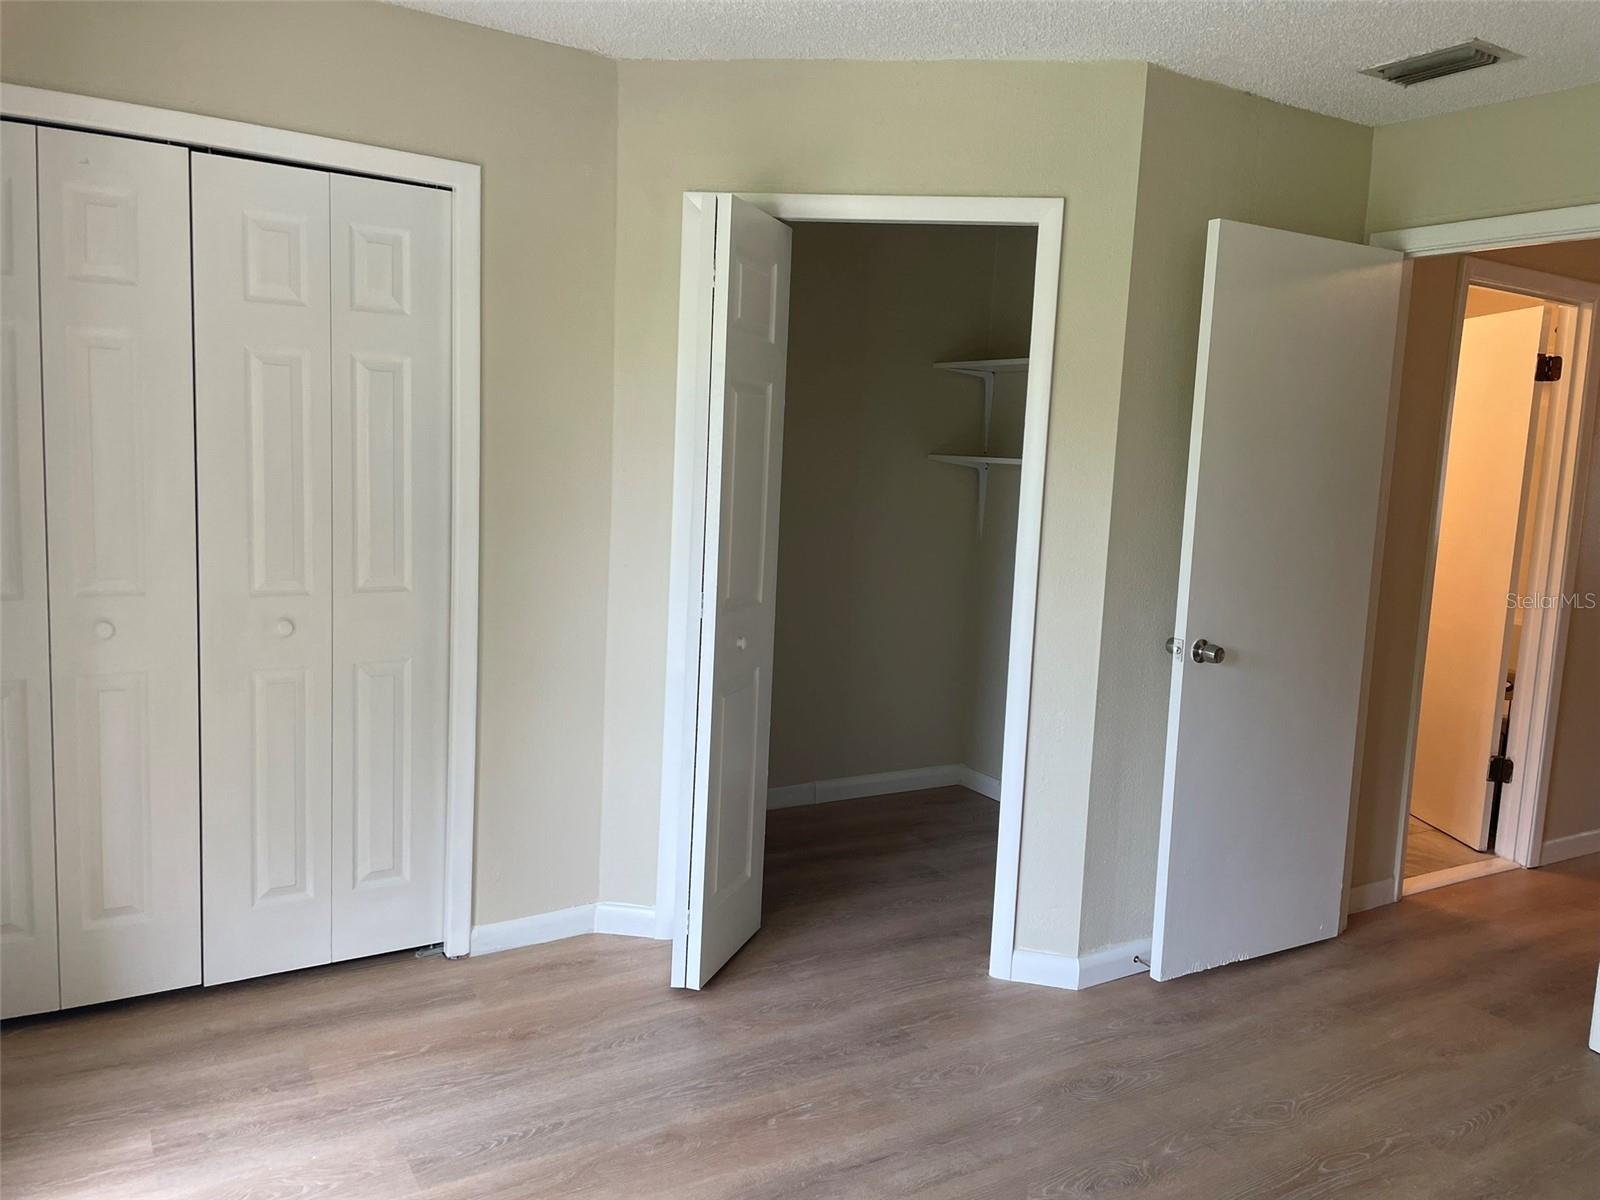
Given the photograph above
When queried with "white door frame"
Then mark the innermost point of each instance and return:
(463, 181)
(1524, 817)
(1047, 215)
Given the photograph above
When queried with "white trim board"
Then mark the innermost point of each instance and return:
(1490, 233)
(1086, 970)
(627, 920)
(883, 783)
(1418, 884)
(1572, 846)
(464, 182)
(1047, 215)
(1373, 895)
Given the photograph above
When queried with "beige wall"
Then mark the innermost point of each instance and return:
(541, 120)
(1574, 799)
(1206, 152)
(1519, 156)
(936, 128)
(878, 620)
(1010, 321)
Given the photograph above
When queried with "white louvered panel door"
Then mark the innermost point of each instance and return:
(262, 421)
(119, 457)
(391, 562)
(29, 974)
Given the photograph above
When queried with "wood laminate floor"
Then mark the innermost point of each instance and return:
(856, 1048)
(1429, 850)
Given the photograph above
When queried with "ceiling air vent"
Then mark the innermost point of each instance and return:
(1436, 64)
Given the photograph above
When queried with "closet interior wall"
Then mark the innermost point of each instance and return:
(893, 613)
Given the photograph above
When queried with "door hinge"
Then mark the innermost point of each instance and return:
(1547, 369)
(1501, 769)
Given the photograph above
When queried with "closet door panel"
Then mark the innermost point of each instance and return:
(118, 423)
(391, 562)
(29, 973)
(261, 356)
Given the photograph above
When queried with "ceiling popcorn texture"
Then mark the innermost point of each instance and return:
(1308, 53)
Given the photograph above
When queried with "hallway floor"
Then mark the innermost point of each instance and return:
(855, 1049)
(1429, 850)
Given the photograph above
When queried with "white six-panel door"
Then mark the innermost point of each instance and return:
(314, 428)
(119, 448)
(266, 579)
(29, 979)
(750, 341)
(391, 562)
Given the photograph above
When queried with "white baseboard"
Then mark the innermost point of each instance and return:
(1573, 846)
(796, 795)
(629, 920)
(1085, 971)
(984, 785)
(632, 920)
(884, 783)
(1372, 895)
(534, 930)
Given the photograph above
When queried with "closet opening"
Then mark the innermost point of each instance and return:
(1502, 580)
(902, 450)
(864, 389)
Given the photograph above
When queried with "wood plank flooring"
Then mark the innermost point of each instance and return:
(1429, 849)
(855, 1049)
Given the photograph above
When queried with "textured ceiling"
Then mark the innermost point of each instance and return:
(1302, 52)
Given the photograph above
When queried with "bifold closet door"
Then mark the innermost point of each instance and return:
(391, 562)
(29, 975)
(119, 470)
(266, 609)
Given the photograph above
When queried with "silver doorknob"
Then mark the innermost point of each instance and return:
(284, 627)
(1208, 652)
(740, 643)
(1174, 647)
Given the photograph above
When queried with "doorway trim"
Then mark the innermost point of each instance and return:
(1494, 233)
(463, 181)
(1523, 808)
(1047, 216)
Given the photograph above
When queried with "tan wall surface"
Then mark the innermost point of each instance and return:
(878, 621)
(1010, 320)
(919, 128)
(1519, 156)
(1207, 152)
(1574, 798)
(541, 120)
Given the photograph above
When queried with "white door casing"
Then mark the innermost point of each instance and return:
(262, 322)
(391, 562)
(29, 973)
(750, 334)
(1488, 460)
(1286, 457)
(119, 450)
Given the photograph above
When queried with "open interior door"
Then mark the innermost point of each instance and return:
(1286, 458)
(749, 349)
(1475, 566)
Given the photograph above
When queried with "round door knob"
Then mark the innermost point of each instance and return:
(105, 630)
(1208, 652)
(740, 643)
(284, 627)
